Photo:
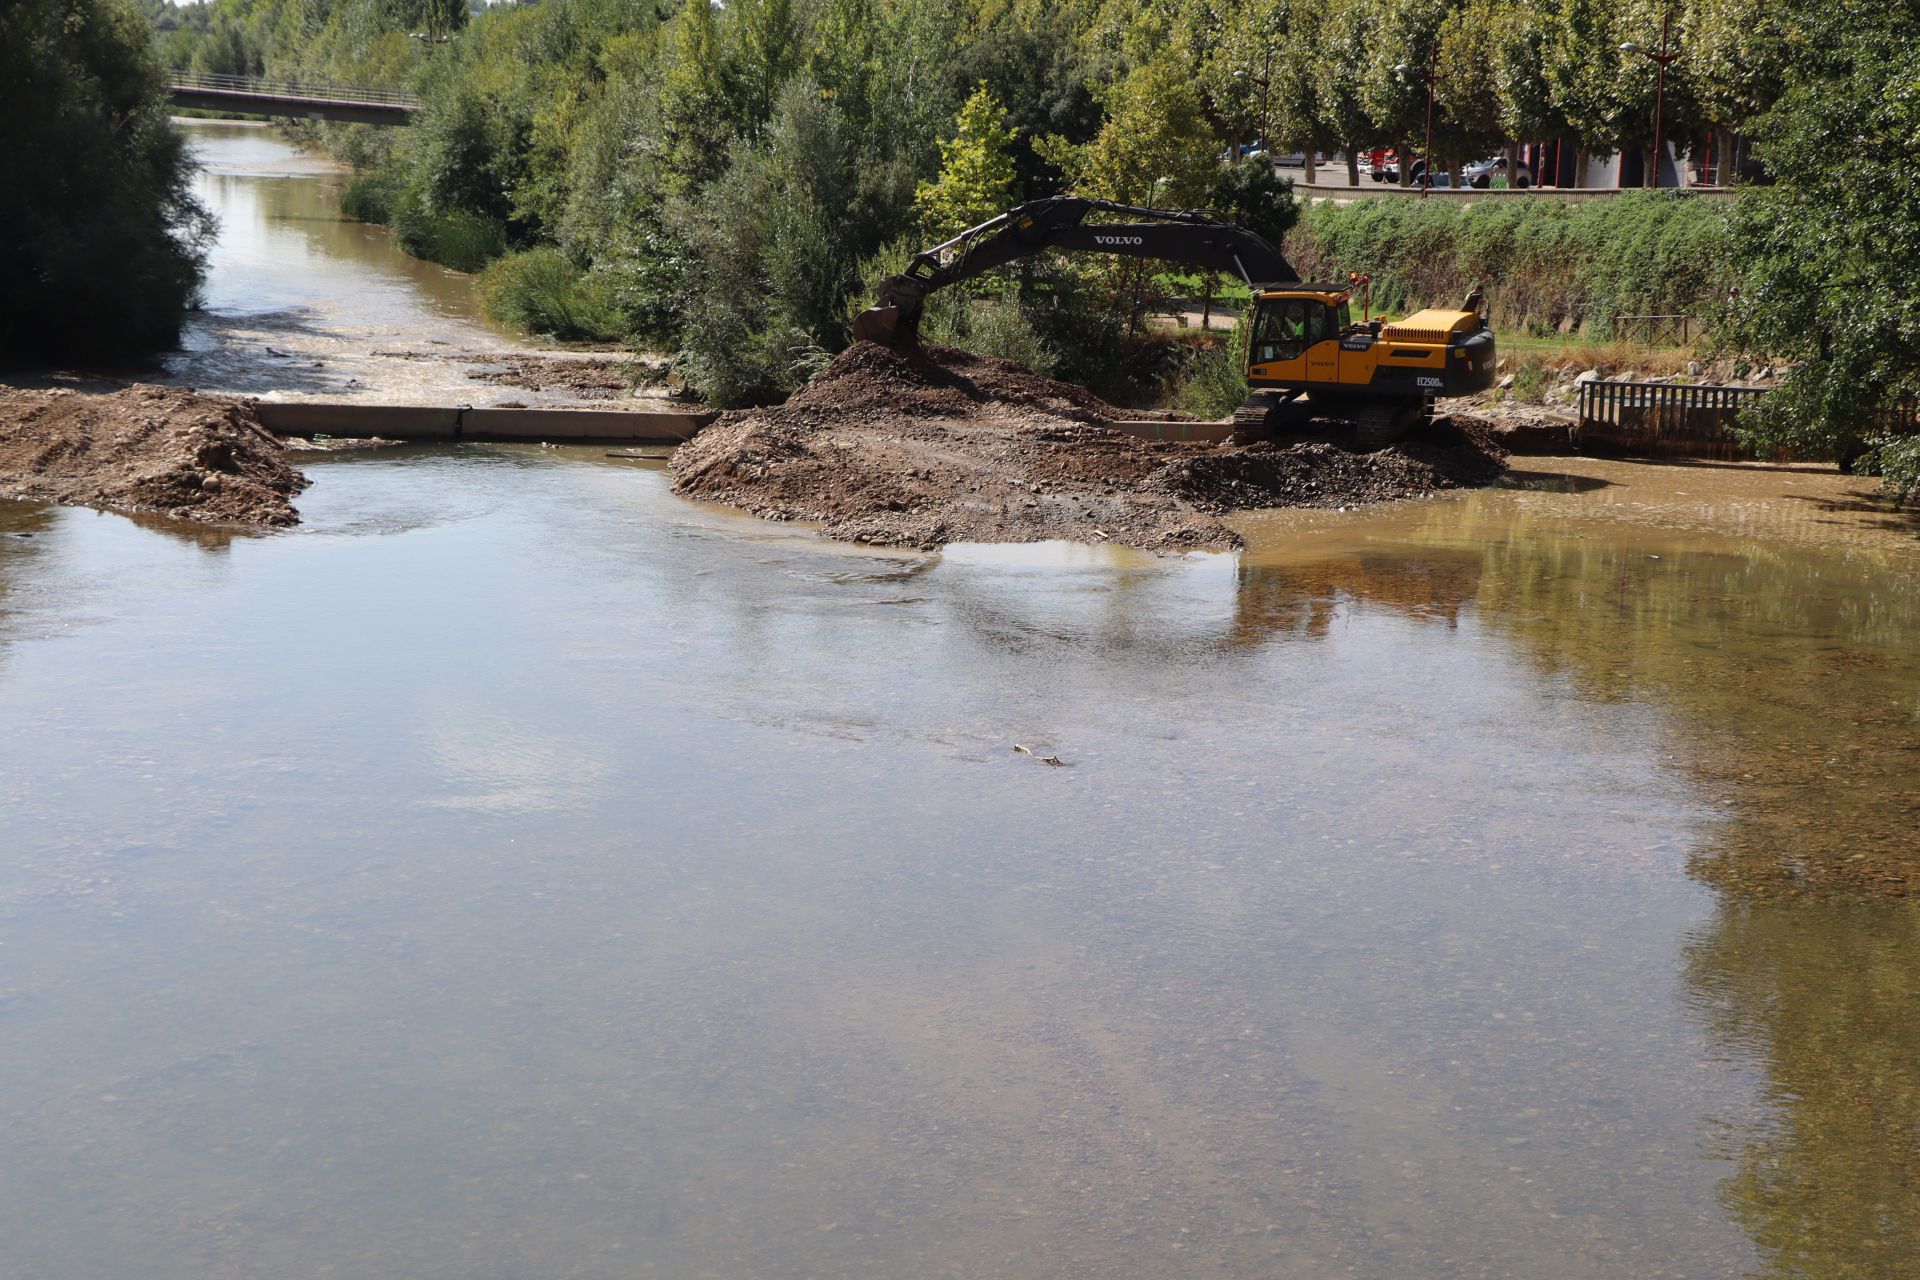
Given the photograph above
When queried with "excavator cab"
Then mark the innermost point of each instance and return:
(1285, 326)
(1383, 377)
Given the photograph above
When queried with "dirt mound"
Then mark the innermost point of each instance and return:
(1441, 455)
(950, 446)
(145, 448)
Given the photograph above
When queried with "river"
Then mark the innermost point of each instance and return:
(519, 871)
(302, 304)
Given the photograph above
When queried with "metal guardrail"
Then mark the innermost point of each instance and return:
(357, 95)
(1693, 420)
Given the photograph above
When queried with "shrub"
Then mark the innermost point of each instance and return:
(369, 197)
(1211, 385)
(999, 327)
(1898, 462)
(730, 360)
(1530, 381)
(456, 238)
(543, 291)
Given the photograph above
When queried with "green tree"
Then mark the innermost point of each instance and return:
(103, 239)
(976, 170)
(1343, 37)
(1155, 146)
(1521, 34)
(1828, 248)
(695, 115)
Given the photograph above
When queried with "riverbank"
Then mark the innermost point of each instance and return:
(303, 303)
(948, 446)
(146, 450)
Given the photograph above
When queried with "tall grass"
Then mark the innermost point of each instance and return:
(543, 291)
(1546, 265)
(997, 327)
(1211, 384)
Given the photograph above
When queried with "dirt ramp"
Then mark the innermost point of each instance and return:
(949, 446)
(162, 450)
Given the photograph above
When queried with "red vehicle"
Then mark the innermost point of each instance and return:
(1383, 165)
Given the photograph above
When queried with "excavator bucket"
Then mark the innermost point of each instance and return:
(883, 325)
(894, 318)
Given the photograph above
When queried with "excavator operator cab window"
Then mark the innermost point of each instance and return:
(1286, 327)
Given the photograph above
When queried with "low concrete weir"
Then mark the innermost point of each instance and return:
(435, 422)
(564, 426)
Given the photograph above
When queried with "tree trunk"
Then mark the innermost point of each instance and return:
(1513, 165)
(1729, 173)
(1405, 153)
(1579, 168)
(1309, 169)
(1353, 166)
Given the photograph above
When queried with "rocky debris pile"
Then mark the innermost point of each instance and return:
(950, 446)
(1442, 455)
(162, 450)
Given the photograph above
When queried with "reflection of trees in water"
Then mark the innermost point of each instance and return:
(1827, 996)
(1789, 675)
(1303, 599)
(1790, 672)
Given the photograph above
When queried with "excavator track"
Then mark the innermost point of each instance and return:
(1253, 420)
(1378, 423)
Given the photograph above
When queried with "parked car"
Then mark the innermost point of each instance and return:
(1481, 174)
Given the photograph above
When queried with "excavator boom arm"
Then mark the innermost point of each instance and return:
(1197, 239)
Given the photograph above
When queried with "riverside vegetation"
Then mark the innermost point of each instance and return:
(725, 182)
(100, 238)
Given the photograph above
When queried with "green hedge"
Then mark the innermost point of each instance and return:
(1545, 264)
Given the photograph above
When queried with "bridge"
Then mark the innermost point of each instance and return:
(245, 95)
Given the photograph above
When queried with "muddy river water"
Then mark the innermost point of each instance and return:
(517, 871)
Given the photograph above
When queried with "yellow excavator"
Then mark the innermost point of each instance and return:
(1305, 358)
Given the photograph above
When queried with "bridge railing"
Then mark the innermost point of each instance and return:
(309, 90)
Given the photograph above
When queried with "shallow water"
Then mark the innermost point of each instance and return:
(518, 871)
(302, 303)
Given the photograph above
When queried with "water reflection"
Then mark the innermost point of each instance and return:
(23, 525)
(1792, 675)
(1824, 997)
(1791, 682)
(517, 870)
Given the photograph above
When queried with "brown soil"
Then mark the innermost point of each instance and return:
(587, 378)
(163, 450)
(954, 447)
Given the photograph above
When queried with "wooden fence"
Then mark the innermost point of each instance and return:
(1658, 419)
